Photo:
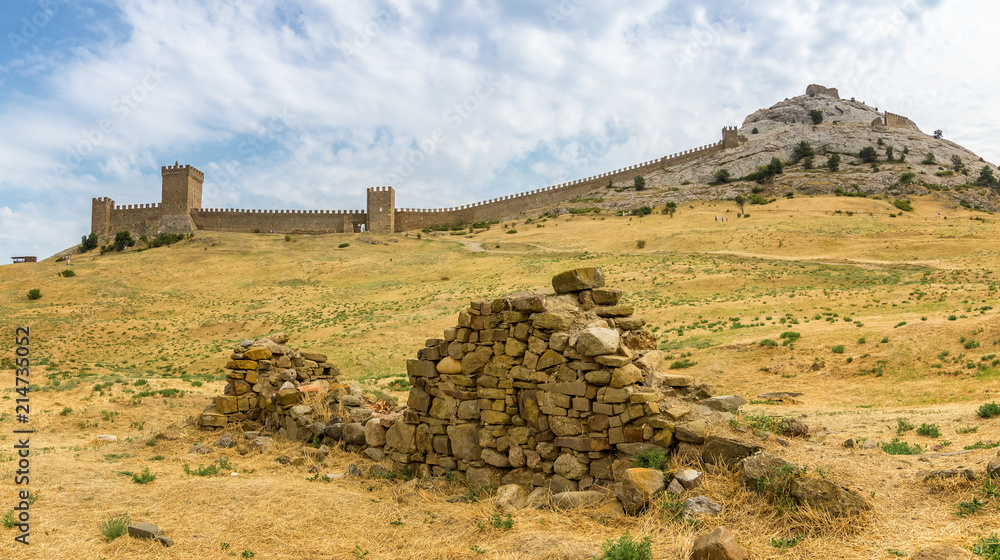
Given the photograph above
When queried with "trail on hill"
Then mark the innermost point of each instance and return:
(870, 264)
(477, 247)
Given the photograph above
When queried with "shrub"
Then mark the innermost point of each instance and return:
(987, 547)
(342, 245)
(65, 411)
(682, 364)
(903, 205)
(641, 244)
(627, 549)
(767, 343)
(34, 293)
(833, 162)
(511, 231)
(144, 477)
(652, 459)
(670, 208)
(928, 159)
(930, 430)
(907, 177)
(902, 426)
(722, 177)
(499, 522)
(123, 239)
(803, 150)
(896, 447)
(639, 183)
(986, 178)
(88, 242)
(868, 154)
(114, 527)
(989, 410)
(838, 349)
(807, 163)
(956, 162)
(816, 115)
(754, 131)
(641, 211)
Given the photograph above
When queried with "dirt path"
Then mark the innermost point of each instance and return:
(863, 263)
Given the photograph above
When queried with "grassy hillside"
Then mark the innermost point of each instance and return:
(894, 313)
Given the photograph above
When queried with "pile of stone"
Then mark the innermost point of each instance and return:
(540, 389)
(265, 381)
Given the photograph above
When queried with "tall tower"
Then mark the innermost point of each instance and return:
(730, 137)
(381, 210)
(181, 193)
(100, 216)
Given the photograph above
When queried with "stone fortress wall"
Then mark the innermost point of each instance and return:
(180, 210)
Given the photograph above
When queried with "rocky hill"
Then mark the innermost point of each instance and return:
(846, 128)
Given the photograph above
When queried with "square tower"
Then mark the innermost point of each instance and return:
(181, 188)
(381, 210)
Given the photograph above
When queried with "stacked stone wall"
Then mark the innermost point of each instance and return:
(265, 381)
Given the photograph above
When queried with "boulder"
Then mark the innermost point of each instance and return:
(578, 279)
(688, 478)
(726, 403)
(701, 506)
(511, 498)
(639, 487)
(824, 495)
(726, 452)
(718, 545)
(571, 500)
(762, 465)
(568, 466)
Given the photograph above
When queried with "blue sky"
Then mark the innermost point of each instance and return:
(304, 104)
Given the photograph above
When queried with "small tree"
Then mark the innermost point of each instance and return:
(803, 150)
(817, 116)
(34, 293)
(938, 133)
(754, 131)
(833, 163)
(807, 163)
(986, 178)
(740, 200)
(956, 162)
(868, 154)
(928, 159)
(670, 208)
(123, 239)
(722, 177)
(888, 153)
(88, 242)
(775, 167)
(639, 183)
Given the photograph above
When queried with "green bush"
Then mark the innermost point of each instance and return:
(123, 239)
(896, 447)
(640, 244)
(903, 205)
(986, 178)
(987, 547)
(929, 430)
(838, 349)
(67, 273)
(722, 177)
(907, 177)
(816, 115)
(88, 242)
(342, 245)
(989, 410)
(144, 477)
(803, 150)
(34, 293)
(833, 162)
(652, 459)
(639, 183)
(868, 154)
(928, 159)
(627, 549)
(114, 527)
(511, 231)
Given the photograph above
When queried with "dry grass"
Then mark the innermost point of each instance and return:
(170, 316)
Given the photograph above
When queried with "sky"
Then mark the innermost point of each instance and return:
(303, 104)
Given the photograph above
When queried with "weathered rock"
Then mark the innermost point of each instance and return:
(213, 420)
(958, 472)
(725, 403)
(539, 498)
(826, 496)
(993, 468)
(718, 545)
(726, 452)
(567, 465)
(639, 487)
(763, 466)
(401, 437)
(374, 433)
(689, 478)
(691, 432)
(701, 505)
(572, 500)
(511, 498)
(578, 279)
(597, 341)
(354, 433)
(675, 487)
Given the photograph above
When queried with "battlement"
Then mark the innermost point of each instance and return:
(177, 169)
(897, 121)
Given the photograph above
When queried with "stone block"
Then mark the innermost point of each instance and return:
(597, 341)
(620, 310)
(552, 320)
(638, 489)
(226, 405)
(421, 368)
(579, 279)
(213, 420)
(241, 364)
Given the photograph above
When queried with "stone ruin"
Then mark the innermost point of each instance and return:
(539, 389)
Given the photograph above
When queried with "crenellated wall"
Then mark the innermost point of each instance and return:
(279, 221)
(893, 120)
(180, 210)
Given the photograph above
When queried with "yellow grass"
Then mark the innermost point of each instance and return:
(159, 314)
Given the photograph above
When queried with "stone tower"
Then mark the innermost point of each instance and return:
(100, 216)
(730, 137)
(181, 193)
(381, 210)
